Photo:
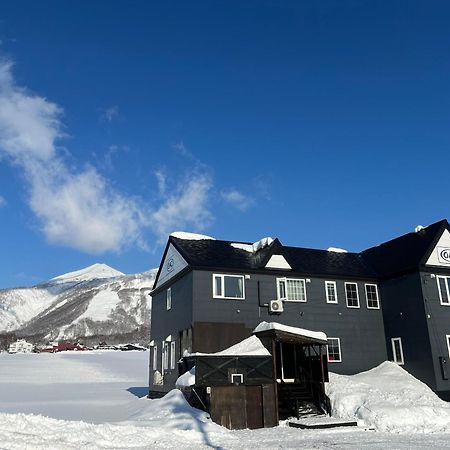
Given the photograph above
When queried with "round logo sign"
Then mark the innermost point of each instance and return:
(170, 264)
(445, 254)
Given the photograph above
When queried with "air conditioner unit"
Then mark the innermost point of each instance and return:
(276, 306)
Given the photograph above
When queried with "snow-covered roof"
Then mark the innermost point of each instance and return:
(187, 379)
(191, 236)
(252, 248)
(251, 346)
(265, 326)
(337, 250)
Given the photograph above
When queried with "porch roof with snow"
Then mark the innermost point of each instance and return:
(284, 333)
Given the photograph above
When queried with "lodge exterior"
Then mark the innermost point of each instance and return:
(387, 302)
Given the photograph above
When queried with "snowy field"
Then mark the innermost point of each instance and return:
(91, 400)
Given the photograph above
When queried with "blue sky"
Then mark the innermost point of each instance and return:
(320, 123)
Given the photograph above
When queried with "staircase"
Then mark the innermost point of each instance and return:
(296, 400)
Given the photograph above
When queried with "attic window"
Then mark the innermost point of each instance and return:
(228, 286)
(444, 288)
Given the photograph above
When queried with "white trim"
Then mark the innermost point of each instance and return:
(357, 294)
(446, 289)
(400, 361)
(340, 352)
(222, 282)
(237, 375)
(172, 355)
(447, 338)
(335, 292)
(367, 298)
(169, 299)
(286, 299)
(155, 357)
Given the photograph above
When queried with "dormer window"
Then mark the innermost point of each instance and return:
(228, 286)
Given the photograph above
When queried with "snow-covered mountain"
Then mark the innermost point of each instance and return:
(92, 304)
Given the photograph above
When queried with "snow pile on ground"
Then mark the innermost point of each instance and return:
(191, 236)
(265, 326)
(389, 399)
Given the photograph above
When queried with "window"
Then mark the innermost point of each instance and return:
(164, 356)
(334, 350)
(448, 343)
(443, 288)
(169, 299)
(228, 286)
(372, 296)
(397, 350)
(330, 289)
(155, 357)
(172, 355)
(351, 294)
(291, 289)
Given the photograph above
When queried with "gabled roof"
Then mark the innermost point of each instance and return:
(215, 254)
(405, 253)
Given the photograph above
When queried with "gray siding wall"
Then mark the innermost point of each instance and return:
(164, 323)
(437, 319)
(361, 331)
(405, 317)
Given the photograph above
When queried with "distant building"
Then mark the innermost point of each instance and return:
(21, 346)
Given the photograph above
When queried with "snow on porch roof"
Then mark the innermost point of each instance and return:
(251, 346)
(300, 332)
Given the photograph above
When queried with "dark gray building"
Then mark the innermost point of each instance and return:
(211, 294)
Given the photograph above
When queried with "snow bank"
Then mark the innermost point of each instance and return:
(337, 250)
(264, 326)
(187, 379)
(191, 236)
(389, 399)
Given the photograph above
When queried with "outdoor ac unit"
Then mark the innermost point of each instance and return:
(276, 306)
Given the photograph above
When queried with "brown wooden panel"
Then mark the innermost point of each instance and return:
(269, 405)
(254, 407)
(210, 337)
(228, 406)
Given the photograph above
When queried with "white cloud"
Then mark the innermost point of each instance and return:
(237, 199)
(110, 113)
(79, 208)
(2, 201)
(76, 209)
(187, 207)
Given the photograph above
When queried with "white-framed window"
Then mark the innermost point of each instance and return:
(291, 289)
(331, 291)
(172, 355)
(164, 356)
(228, 286)
(372, 299)
(447, 338)
(397, 351)
(155, 357)
(443, 284)
(352, 295)
(334, 350)
(169, 299)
